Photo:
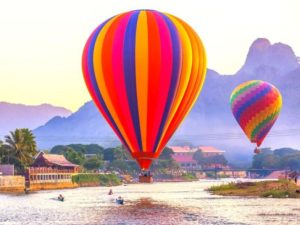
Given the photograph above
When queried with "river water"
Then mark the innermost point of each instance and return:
(153, 204)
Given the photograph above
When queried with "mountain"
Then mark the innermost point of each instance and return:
(27, 116)
(210, 122)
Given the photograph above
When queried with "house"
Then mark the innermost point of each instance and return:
(50, 171)
(209, 151)
(183, 155)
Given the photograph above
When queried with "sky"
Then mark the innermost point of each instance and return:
(41, 42)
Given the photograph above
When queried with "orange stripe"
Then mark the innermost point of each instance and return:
(141, 63)
(154, 75)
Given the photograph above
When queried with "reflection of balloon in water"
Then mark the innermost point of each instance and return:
(144, 70)
(256, 105)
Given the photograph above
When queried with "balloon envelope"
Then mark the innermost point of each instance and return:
(144, 70)
(256, 106)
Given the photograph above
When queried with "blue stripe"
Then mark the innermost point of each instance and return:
(251, 101)
(94, 82)
(176, 47)
(130, 76)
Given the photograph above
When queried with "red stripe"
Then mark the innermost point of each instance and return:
(114, 77)
(154, 78)
(164, 74)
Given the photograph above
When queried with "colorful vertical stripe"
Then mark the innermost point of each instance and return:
(256, 106)
(144, 70)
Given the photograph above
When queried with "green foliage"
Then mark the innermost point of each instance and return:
(189, 176)
(93, 163)
(204, 161)
(74, 156)
(19, 149)
(101, 179)
(166, 153)
(223, 187)
(84, 149)
(284, 158)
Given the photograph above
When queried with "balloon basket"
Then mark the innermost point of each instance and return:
(257, 151)
(145, 179)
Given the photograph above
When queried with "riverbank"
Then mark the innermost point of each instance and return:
(265, 189)
(93, 180)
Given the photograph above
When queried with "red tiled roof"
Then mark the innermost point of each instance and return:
(59, 160)
(184, 158)
(210, 149)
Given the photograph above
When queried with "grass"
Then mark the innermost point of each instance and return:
(97, 179)
(189, 176)
(271, 189)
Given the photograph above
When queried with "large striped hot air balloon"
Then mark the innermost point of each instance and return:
(144, 70)
(256, 105)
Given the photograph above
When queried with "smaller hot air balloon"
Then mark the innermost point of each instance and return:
(256, 106)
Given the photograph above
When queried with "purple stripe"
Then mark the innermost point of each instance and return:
(129, 73)
(245, 96)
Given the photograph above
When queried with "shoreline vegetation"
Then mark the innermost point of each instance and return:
(263, 189)
(91, 180)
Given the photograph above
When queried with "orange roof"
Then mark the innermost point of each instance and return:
(210, 149)
(177, 149)
(59, 160)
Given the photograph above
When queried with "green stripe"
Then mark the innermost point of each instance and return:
(242, 90)
(261, 124)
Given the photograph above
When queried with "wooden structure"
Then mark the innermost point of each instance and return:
(145, 179)
(50, 171)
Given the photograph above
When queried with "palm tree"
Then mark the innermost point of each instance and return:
(22, 146)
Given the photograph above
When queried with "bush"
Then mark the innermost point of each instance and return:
(223, 187)
(101, 179)
(189, 176)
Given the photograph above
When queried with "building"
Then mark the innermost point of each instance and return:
(7, 170)
(208, 151)
(50, 171)
(183, 155)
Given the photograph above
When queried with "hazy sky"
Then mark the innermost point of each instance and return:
(41, 42)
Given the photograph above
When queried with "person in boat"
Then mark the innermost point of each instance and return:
(60, 197)
(110, 192)
(120, 200)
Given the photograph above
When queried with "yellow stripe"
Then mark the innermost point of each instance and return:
(97, 60)
(185, 72)
(198, 73)
(141, 63)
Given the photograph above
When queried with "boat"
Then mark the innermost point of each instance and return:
(120, 201)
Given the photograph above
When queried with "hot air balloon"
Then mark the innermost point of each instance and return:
(144, 70)
(256, 106)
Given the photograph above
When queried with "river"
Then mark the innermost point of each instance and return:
(153, 204)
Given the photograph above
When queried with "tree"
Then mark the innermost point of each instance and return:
(198, 156)
(93, 163)
(117, 153)
(166, 153)
(73, 156)
(22, 148)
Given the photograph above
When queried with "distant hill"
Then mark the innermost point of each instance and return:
(14, 116)
(210, 122)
